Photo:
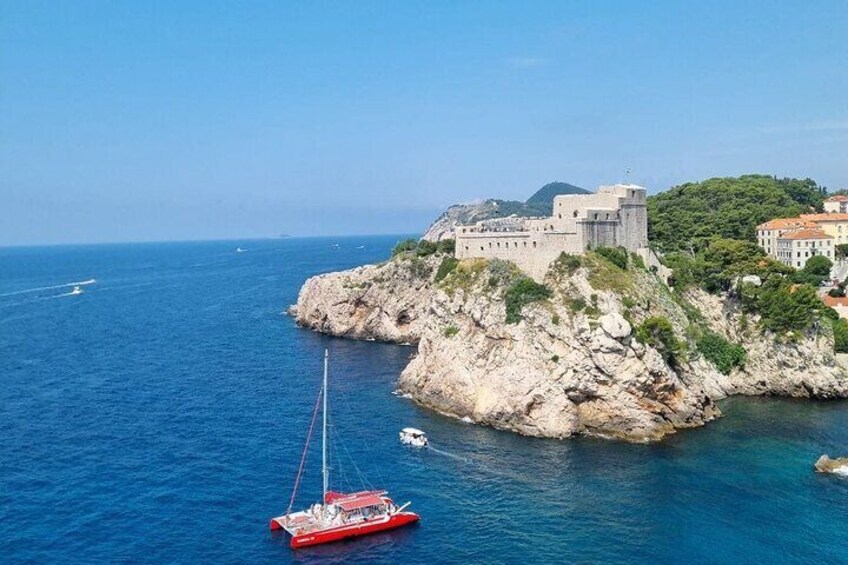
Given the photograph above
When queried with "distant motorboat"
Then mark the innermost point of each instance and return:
(76, 290)
(413, 437)
(240, 250)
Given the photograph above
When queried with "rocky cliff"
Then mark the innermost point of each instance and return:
(572, 363)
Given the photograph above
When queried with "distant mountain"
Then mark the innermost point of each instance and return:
(544, 197)
(540, 204)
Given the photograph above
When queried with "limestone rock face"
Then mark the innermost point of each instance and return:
(384, 302)
(490, 211)
(838, 466)
(555, 374)
(801, 367)
(572, 364)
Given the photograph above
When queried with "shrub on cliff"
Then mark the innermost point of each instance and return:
(521, 292)
(423, 247)
(566, 264)
(404, 246)
(840, 336)
(446, 267)
(658, 333)
(447, 246)
(615, 255)
(720, 352)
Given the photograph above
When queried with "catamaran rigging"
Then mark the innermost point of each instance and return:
(339, 515)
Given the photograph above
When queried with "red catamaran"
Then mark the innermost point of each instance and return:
(341, 515)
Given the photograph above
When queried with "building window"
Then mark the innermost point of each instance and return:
(534, 244)
(490, 245)
(575, 213)
(466, 248)
(596, 215)
(525, 244)
(552, 228)
(560, 216)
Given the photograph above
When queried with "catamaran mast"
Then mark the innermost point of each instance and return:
(324, 471)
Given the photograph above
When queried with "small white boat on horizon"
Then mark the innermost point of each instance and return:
(77, 290)
(240, 250)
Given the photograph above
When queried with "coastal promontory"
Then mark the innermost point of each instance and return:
(604, 344)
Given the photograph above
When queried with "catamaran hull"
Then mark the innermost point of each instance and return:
(351, 530)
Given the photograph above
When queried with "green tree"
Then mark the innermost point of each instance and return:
(687, 217)
(818, 266)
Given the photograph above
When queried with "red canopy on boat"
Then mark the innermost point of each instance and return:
(356, 500)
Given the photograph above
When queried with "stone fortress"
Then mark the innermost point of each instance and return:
(613, 216)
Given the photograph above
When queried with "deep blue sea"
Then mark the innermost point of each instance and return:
(159, 418)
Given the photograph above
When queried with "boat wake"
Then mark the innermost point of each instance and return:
(54, 287)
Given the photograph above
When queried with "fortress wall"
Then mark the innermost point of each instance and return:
(615, 215)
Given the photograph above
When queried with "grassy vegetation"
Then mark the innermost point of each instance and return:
(604, 275)
(566, 265)
(615, 255)
(464, 275)
(450, 331)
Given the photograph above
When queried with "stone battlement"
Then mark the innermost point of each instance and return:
(613, 216)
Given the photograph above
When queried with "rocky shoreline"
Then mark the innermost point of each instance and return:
(572, 365)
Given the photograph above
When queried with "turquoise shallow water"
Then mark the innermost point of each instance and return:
(159, 417)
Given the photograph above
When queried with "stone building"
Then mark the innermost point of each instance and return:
(613, 216)
(794, 240)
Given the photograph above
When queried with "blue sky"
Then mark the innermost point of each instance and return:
(140, 121)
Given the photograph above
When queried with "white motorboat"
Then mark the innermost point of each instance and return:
(413, 437)
(76, 290)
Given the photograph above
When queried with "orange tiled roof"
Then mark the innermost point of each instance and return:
(835, 301)
(838, 198)
(782, 223)
(832, 217)
(806, 233)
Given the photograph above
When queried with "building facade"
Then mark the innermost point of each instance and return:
(836, 204)
(792, 241)
(613, 216)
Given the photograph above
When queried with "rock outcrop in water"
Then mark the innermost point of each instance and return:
(572, 365)
(838, 466)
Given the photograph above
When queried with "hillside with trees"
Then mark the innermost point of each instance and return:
(687, 217)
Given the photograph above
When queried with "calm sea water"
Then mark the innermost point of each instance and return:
(159, 417)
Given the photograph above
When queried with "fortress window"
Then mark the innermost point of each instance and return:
(466, 248)
(525, 244)
(463, 230)
(490, 245)
(607, 215)
(499, 244)
(534, 244)
(596, 215)
(575, 213)
(560, 216)
(552, 228)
